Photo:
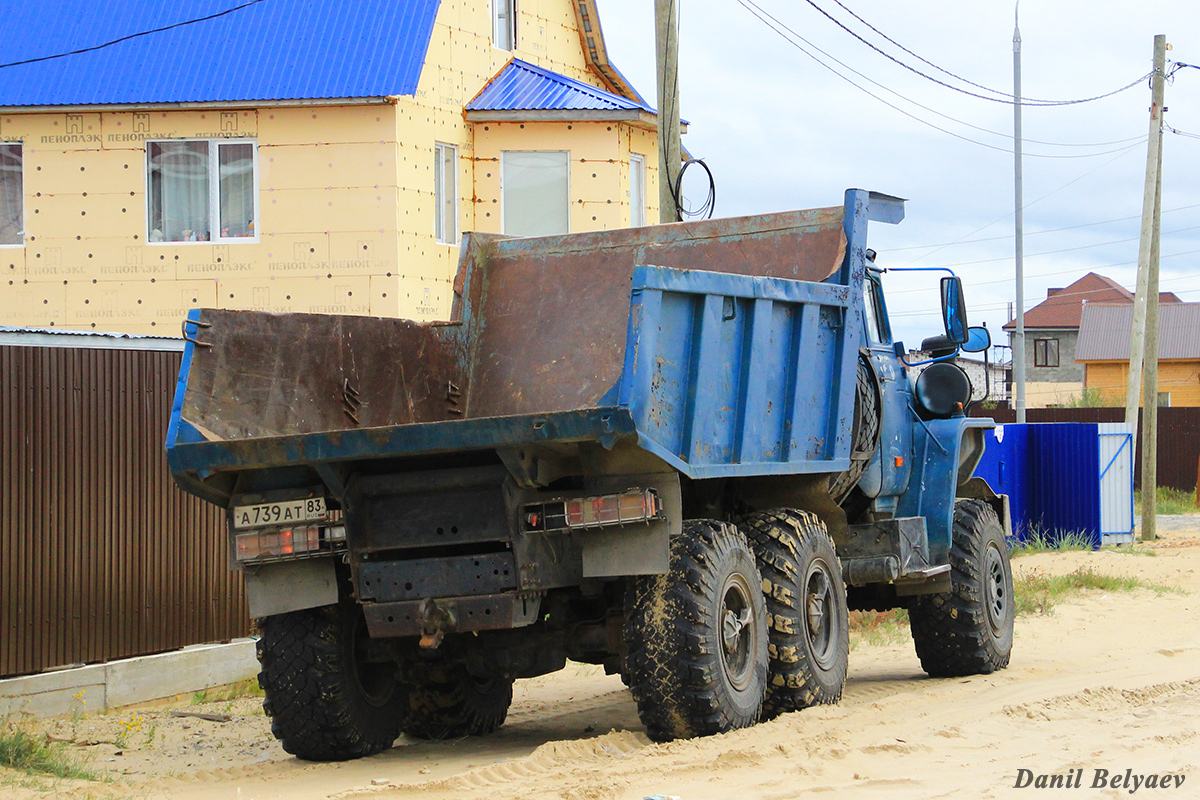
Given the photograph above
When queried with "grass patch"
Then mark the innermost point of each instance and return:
(1038, 593)
(35, 753)
(1170, 501)
(878, 627)
(1041, 541)
(1035, 593)
(232, 691)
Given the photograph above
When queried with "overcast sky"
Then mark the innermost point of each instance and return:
(780, 131)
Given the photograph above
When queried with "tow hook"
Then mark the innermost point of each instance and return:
(435, 622)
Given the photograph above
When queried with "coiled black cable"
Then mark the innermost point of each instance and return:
(710, 202)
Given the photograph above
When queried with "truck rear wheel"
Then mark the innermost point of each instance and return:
(808, 625)
(325, 700)
(969, 630)
(446, 702)
(697, 636)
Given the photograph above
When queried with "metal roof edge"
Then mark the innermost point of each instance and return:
(636, 115)
(322, 101)
(595, 51)
(86, 340)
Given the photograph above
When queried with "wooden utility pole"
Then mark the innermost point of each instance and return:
(1153, 149)
(1150, 379)
(666, 24)
(1144, 335)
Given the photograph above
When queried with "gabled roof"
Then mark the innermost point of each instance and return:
(523, 90)
(1063, 308)
(1105, 329)
(189, 51)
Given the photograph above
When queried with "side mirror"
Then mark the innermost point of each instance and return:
(954, 309)
(978, 339)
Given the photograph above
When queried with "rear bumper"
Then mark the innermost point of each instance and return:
(451, 615)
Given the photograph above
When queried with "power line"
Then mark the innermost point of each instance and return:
(920, 58)
(130, 36)
(1004, 305)
(1031, 203)
(953, 119)
(1028, 233)
(1007, 98)
(1045, 274)
(1063, 250)
(779, 27)
(1181, 133)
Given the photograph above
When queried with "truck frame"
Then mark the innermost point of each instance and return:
(683, 452)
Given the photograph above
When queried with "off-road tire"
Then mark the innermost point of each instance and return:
(324, 703)
(696, 637)
(446, 702)
(968, 630)
(808, 628)
(864, 434)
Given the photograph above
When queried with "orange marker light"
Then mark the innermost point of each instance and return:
(899, 461)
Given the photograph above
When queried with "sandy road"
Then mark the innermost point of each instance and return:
(1106, 682)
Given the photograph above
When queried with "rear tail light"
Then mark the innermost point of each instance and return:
(300, 540)
(635, 505)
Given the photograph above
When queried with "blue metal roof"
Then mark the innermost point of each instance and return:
(184, 51)
(521, 86)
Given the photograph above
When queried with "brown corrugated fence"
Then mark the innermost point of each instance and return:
(101, 555)
(1178, 436)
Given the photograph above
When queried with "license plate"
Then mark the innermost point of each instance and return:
(285, 513)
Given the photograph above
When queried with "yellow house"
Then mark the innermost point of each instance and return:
(1104, 352)
(298, 155)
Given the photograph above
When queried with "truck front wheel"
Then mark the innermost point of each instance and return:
(696, 637)
(969, 630)
(807, 621)
(326, 701)
(446, 702)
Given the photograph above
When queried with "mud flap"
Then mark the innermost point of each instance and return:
(282, 587)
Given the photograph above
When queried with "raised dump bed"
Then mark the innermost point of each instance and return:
(699, 340)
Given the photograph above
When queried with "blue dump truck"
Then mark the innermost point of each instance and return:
(683, 452)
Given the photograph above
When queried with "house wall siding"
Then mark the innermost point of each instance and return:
(1180, 378)
(1068, 370)
(345, 220)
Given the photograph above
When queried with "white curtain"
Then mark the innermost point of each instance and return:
(237, 189)
(179, 191)
(11, 199)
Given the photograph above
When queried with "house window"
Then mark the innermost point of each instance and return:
(12, 211)
(534, 192)
(637, 190)
(1045, 352)
(202, 190)
(445, 193)
(504, 24)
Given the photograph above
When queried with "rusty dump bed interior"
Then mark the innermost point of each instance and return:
(539, 326)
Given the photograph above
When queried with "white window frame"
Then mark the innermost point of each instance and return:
(21, 195)
(637, 205)
(443, 182)
(214, 192)
(509, 6)
(503, 156)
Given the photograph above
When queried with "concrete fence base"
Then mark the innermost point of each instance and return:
(98, 687)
